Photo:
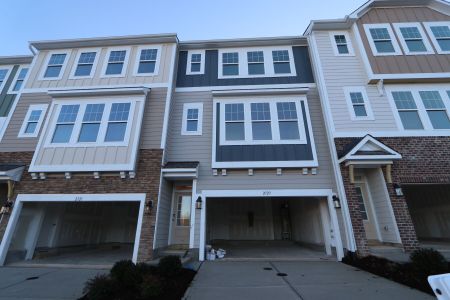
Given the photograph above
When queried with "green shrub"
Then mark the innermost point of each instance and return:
(428, 262)
(151, 287)
(127, 278)
(101, 287)
(169, 265)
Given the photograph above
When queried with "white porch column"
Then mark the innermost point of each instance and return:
(335, 226)
(326, 226)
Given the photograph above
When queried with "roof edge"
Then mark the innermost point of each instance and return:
(16, 59)
(241, 42)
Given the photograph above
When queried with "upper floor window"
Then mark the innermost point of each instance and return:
(91, 122)
(33, 120)
(65, 123)
(3, 77)
(230, 63)
(195, 62)
(262, 121)
(439, 33)
(86, 62)
(422, 109)
(382, 39)
(341, 43)
(116, 63)
(412, 38)
(358, 103)
(117, 123)
(147, 61)
(255, 61)
(55, 66)
(281, 61)
(192, 119)
(20, 78)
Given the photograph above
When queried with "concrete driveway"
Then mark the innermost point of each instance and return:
(43, 283)
(303, 280)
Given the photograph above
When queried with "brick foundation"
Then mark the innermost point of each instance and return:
(425, 160)
(147, 181)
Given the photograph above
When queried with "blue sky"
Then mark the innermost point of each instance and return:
(30, 20)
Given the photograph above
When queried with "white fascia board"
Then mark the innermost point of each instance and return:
(264, 164)
(81, 197)
(268, 193)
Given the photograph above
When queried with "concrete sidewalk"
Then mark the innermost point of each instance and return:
(303, 280)
(43, 283)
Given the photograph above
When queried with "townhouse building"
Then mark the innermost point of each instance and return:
(83, 147)
(248, 164)
(384, 78)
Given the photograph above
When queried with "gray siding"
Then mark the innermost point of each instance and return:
(404, 63)
(153, 120)
(210, 78)
(164, 205)
(198, 148)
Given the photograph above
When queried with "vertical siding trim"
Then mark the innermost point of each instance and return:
(329, 127)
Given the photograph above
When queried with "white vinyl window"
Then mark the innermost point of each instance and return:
(117, 123)
(91, 123)
(195, 62)
(85, 63)
(230, 63)
(281, 62)
(341, 43)
(422, 108)
(55, 65)
(192, 119)
(261, 121)
(116, 62)
(358, 103)
(65, 123)
(147, 62)
(3, 77)
(255, 60)
(413, 38)
(439, 33)
(382, 40)
(19, 80)
(33, 121)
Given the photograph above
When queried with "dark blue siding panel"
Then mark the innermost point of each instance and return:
(6, 100)
(210, 78)
(278, 152)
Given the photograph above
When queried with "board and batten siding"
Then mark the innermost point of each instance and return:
(395, 64)
(342, 71)
(7, 99)
(129, 78)
(199, 148)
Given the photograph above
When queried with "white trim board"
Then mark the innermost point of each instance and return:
(21, 198)
(244, 87)
(365, 141)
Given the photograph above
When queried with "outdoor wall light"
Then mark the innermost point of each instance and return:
(398, 189)
(148, 206)
(336, 202)
(198, 203)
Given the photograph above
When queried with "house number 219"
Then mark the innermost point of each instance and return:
(267, 193)
(78, 198)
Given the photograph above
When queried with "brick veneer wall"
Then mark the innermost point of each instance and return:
(147, 181)
(424, 160)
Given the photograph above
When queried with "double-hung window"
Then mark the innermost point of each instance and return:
(91, 123)
(117, 122)
(230, 63)
(255, 61)
(17, 86)
(440, 35)
(341, 44)
(288, 121)
(192, 119)
(33, 120)
(195, 62)
(413, 38)
(147, 61)
(281, 62)
(55, 66)
(3, 77)
(65, 123)
(407, 110)
(85, 64)
(116, 64)
(358, 103)
(234, 122)
(261, 121)
(382, 39)
(436, 110)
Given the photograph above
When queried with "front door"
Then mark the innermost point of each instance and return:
(181, 219)
(366, 211)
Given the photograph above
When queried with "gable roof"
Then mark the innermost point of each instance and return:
(369, 148)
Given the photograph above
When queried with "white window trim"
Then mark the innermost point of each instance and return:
(432, 37)
(423, 115)
(397, 50)
(8, 73)
(138, 56)
(187, 106)
(43, 109)
(13, 83)
(94, 64)
(425, 41)
(351, 52)
(269, 70)
(125, 62)
(73, 142)
(47, 60)
(367, 106)
(273, 122)
(202, 62)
